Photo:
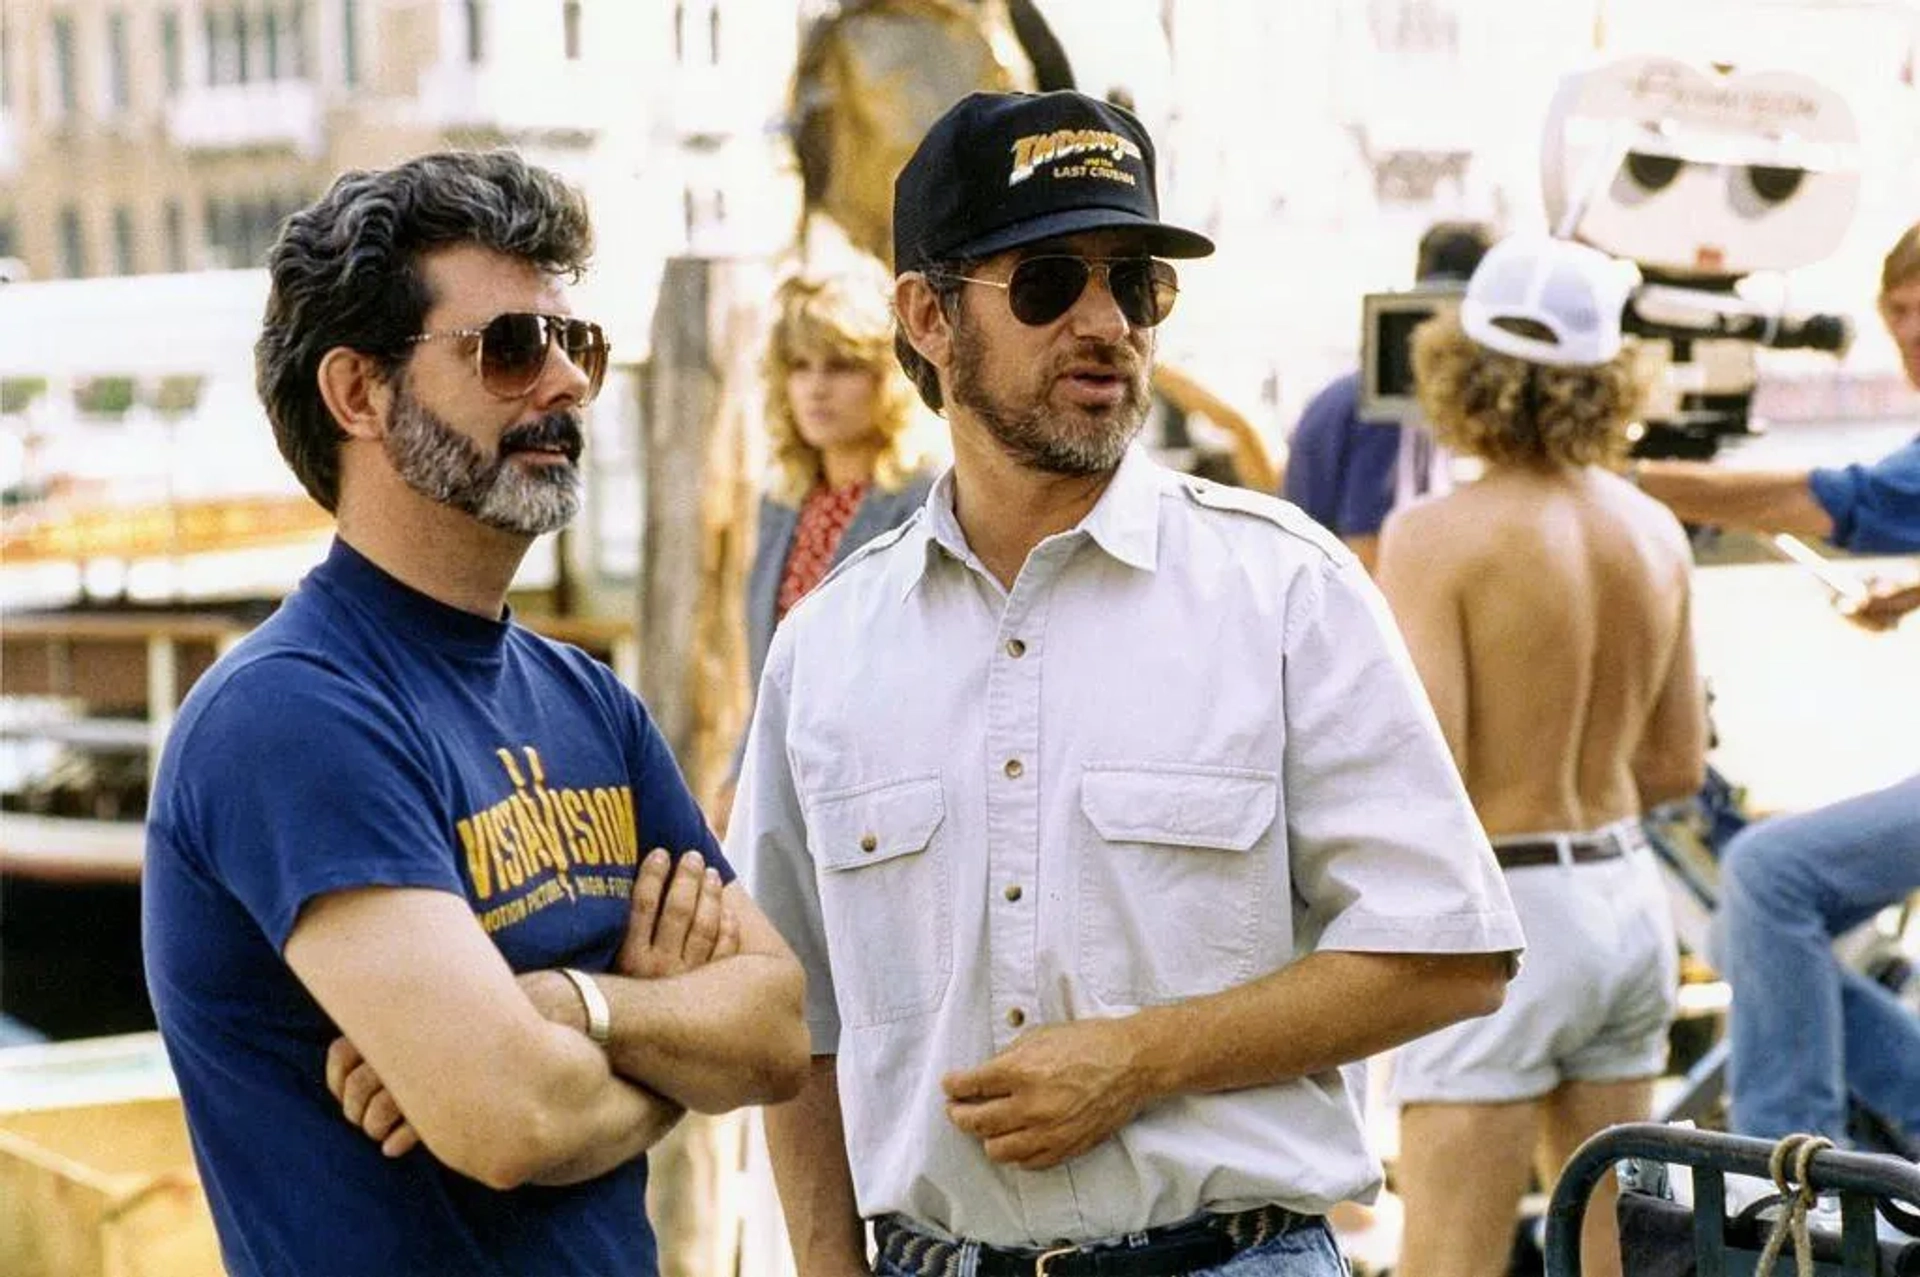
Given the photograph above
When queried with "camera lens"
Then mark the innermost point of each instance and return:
(1774, 184)
(1652, 172)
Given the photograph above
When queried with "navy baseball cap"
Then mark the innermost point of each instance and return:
(1004, 169)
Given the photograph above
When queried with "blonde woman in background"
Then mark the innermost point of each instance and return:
(845, 463)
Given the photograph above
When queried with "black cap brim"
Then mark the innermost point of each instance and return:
(1162, 240)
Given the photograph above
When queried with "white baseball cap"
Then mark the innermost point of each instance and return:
(1548, 301)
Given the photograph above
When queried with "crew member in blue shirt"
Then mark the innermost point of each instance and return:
(1343, 470)
(1806, 1031)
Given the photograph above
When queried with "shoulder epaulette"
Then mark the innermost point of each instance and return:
(1223, 496)
(1284, 515)
(873, 547)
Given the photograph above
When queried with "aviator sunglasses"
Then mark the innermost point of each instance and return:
(1043, 288)
(513, 350)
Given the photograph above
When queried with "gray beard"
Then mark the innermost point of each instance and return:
(444, 465)
(1032, 437)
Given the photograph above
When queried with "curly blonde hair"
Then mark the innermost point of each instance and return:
(839, 317)
(1509, 412)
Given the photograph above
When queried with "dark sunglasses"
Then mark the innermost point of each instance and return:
(1043, 288)
(513, 350)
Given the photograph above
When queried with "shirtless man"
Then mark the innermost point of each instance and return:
(1546, 606)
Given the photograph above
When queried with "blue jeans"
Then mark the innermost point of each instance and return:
(1306, 1251)
(1804, 1030)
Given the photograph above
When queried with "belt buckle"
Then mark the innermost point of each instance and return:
(1046, 1257)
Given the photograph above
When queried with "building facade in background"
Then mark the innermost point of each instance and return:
(141, 138)
(148, 136)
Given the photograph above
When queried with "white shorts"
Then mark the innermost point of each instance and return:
(1594, 998)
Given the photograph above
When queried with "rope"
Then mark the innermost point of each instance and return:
(1797, 1201)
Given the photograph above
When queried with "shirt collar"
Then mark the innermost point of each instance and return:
(1124, 522)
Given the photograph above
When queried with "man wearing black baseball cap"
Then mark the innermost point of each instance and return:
(1084, 850)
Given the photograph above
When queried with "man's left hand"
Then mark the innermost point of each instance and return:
(679, 919)
(1884, 606)
(1056, 1092)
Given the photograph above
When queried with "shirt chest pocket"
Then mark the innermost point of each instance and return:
(1175, 868)
(885, 901)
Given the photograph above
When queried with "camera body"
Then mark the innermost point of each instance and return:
(1702, 177)
(1387, 324)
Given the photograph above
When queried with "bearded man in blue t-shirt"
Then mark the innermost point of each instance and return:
(427, 967)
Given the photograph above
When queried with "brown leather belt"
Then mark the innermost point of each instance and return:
(1582, 849)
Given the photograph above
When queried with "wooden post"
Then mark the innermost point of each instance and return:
(681, 394)
(701, 404)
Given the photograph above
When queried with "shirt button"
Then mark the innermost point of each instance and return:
(1014, 768)
(1012, 892)
(1016, 1017)
(1016, 649)
(868, 842)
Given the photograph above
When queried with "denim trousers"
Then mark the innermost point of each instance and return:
(1306, 1251)
(1805, 1031)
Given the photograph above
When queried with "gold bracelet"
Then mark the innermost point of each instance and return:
(599, 1014)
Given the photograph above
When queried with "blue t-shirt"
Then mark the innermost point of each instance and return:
(1876, 508)
(366, 735)
(1340, 470)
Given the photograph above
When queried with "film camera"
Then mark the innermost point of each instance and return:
(1387, 324)
(1701, 178)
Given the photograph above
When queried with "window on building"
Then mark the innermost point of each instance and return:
(349, 43)
(66, 89)
(213, 26)
(9, 238)
(297, 39)
(242, 45)
(119, 84)
(277, 214)
(170, 53)
(681, 29)
(240, 233)
(73, 244)
(270, 42)
(6, 63)
(261, 226)
(570, 28)
(123, 263)
(176, 231)
(213, 231)
(704, 210)
(476, 31)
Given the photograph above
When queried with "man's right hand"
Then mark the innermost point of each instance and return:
(678, 920)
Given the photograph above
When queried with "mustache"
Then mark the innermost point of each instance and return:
(1111, 357)
(555, 432)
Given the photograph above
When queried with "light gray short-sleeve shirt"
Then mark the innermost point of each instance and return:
(1187, 748)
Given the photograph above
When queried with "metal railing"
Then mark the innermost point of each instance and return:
(1863, 1181)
